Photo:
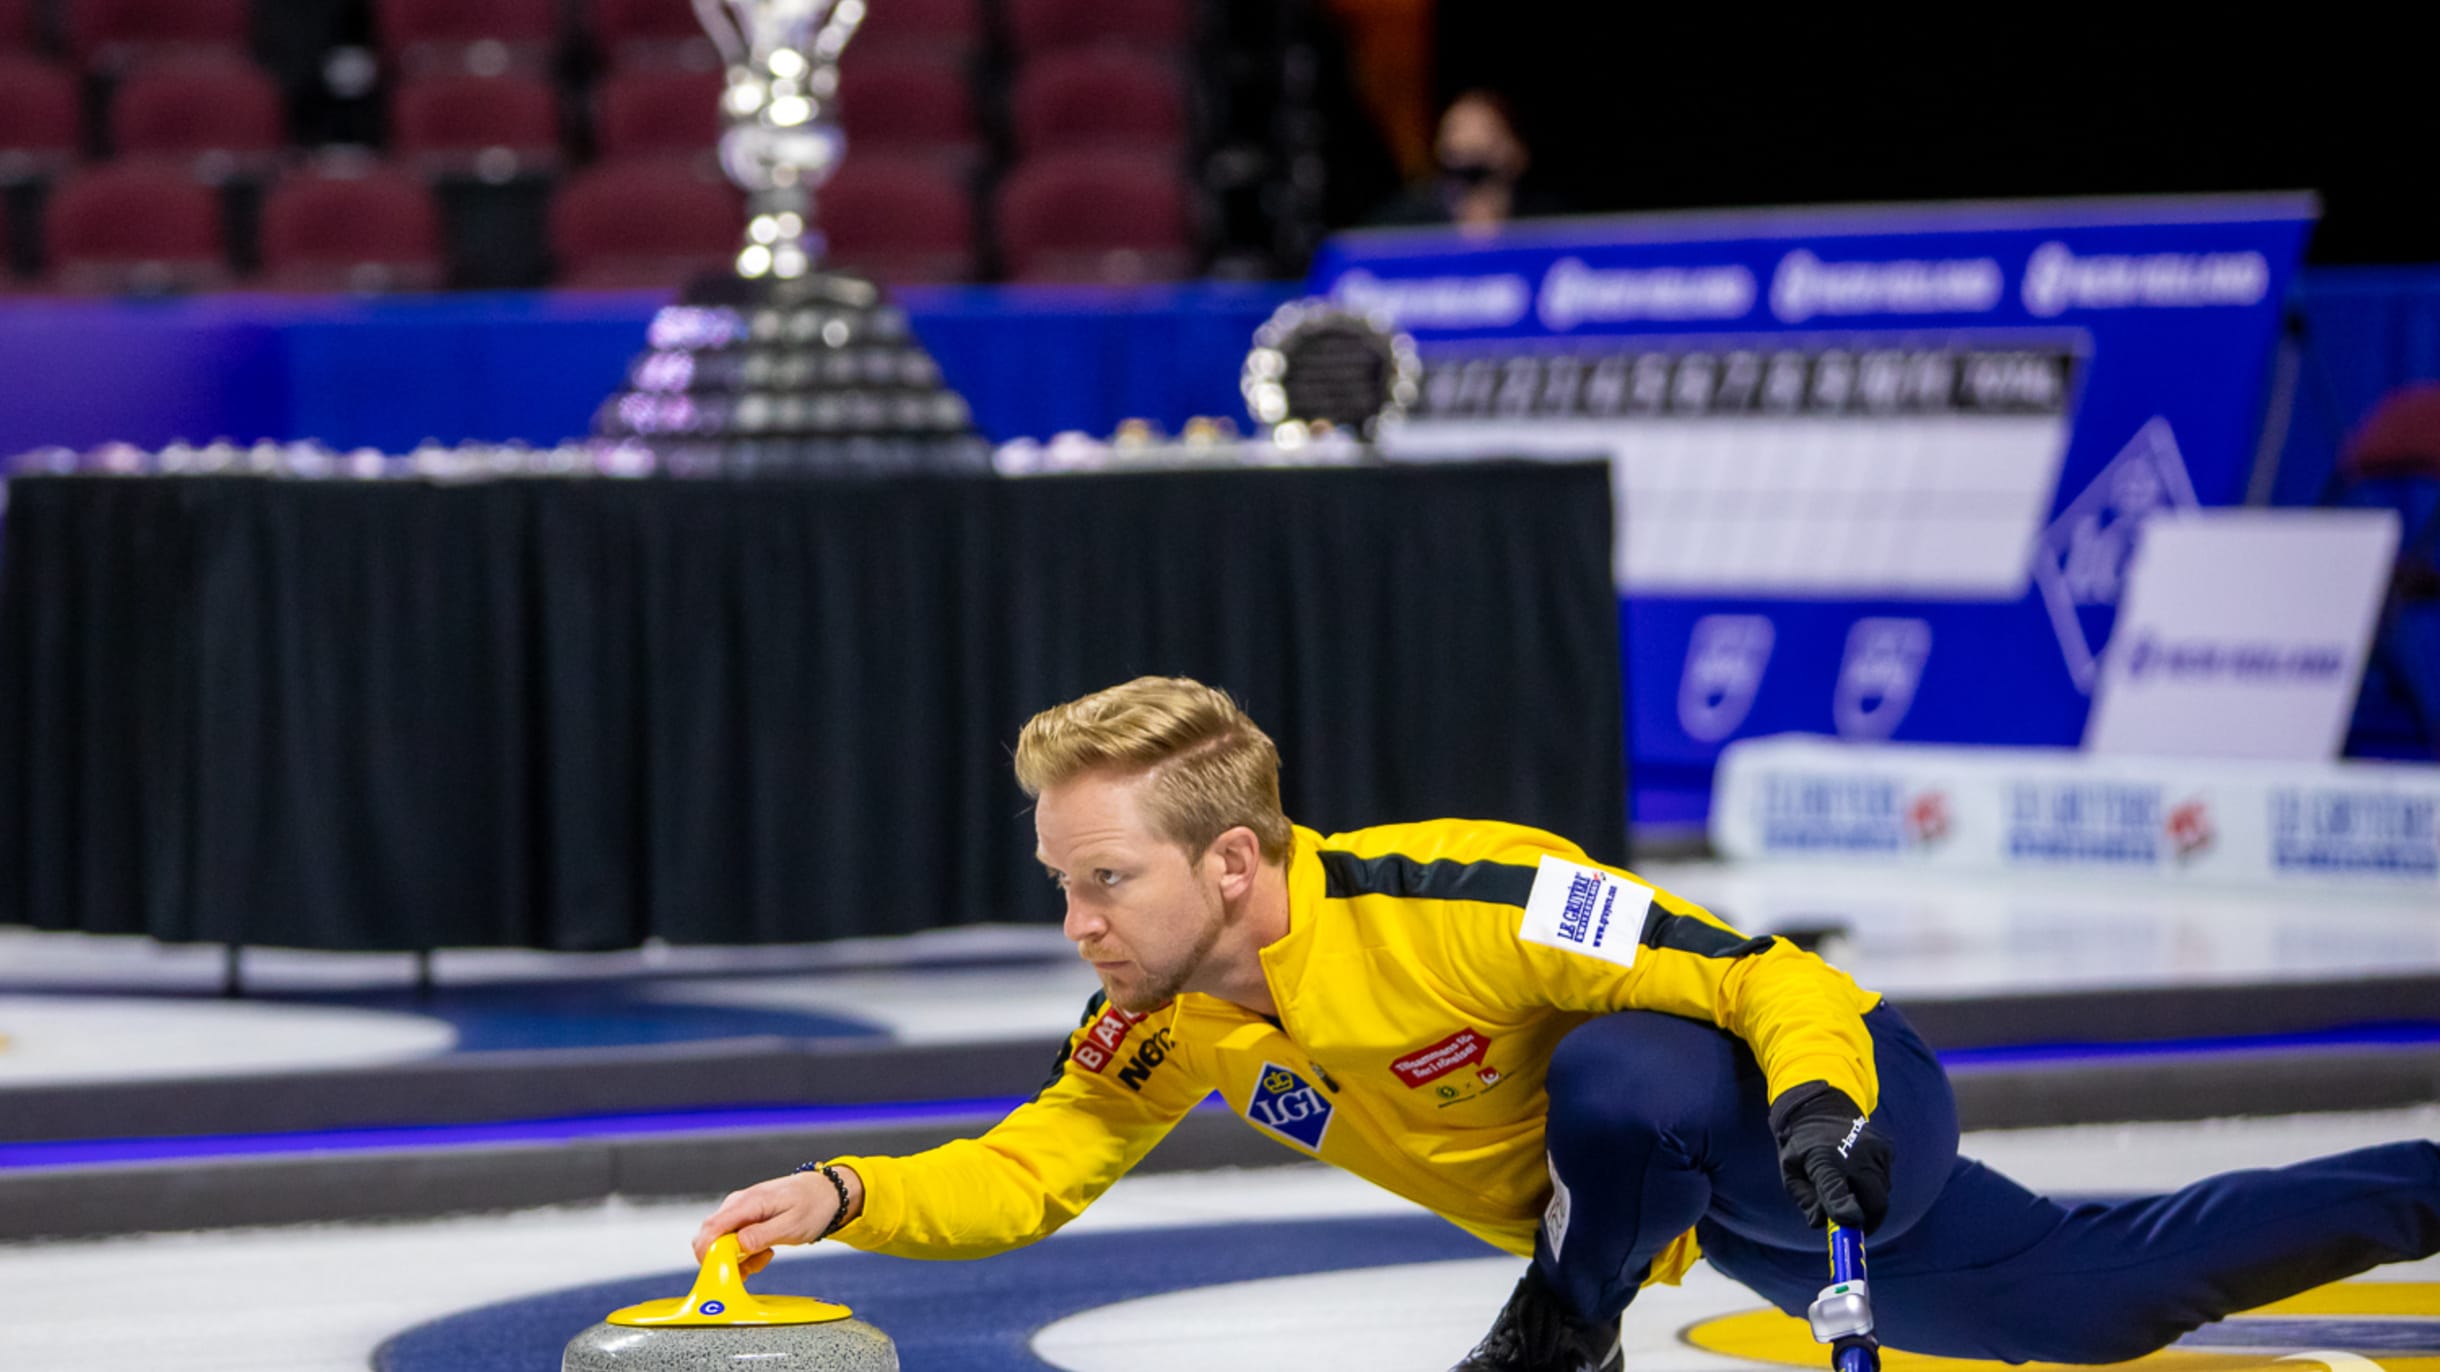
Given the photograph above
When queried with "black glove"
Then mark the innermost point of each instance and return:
(1834, 1162)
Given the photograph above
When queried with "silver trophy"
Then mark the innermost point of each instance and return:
(783, 138)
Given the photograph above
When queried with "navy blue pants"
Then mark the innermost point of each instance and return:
(1659, 1124)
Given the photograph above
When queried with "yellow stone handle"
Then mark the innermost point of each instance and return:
(720, 1297)
(722, 1280)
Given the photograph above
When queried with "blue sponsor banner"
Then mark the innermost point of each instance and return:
(1878, 468)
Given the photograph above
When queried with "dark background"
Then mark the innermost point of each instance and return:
(1664, 107)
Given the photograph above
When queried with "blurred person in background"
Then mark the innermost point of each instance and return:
(1554, 1056)
(1482, 162)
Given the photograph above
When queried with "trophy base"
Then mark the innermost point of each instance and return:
(811, 375)
(837, 290)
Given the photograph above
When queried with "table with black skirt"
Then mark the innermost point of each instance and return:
(580, 713)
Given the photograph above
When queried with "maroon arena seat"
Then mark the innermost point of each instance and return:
(651, 33)
(38, 117)
(904, 100)
(643, 222)
(1096, 216)
(377, 230)
(1041, 26)
(485, 36)
(16, 25)
(1100, 98)
(899, 220)
(220, 110)
(135, 228)
(492, 126)
(2401, 437)
(110, 33)
(953, 28)
(659, 110)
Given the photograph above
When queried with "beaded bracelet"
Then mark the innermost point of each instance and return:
(832, 1173)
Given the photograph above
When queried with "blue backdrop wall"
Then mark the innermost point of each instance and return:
(391, 373)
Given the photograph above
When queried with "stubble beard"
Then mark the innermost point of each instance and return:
(1158, 993)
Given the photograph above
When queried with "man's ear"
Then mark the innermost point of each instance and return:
(1237, 856)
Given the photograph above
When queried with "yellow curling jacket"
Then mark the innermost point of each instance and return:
(1427, 973)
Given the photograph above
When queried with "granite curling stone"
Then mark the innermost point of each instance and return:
(718, 1327)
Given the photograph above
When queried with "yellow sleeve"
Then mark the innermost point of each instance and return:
(1598, 939)
(1117, 1090)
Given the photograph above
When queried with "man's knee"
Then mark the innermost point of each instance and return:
(1640, 1073)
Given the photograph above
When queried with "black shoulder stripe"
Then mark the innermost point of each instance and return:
(1686, 934)
(1068, 1045)
(1497, 883)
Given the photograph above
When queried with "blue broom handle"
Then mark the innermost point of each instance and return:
(1846, 1265)
(1846, 1254)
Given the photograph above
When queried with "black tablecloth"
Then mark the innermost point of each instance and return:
(577, 714)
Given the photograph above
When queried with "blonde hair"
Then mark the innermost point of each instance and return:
(1211, 768)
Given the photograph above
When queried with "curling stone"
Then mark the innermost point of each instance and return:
(719, 1327)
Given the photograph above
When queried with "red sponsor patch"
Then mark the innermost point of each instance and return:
(1461, 1049)
(1101, 1039)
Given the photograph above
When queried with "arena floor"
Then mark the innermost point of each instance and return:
(1269, 1267)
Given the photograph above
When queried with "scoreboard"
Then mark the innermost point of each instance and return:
(1797, 467)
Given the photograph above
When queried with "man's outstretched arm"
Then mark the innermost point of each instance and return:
(1115, 1093)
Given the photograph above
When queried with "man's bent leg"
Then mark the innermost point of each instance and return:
(1658, 1122)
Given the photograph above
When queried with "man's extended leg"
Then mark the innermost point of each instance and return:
(1995, 1271)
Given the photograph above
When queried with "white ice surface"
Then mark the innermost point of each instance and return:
(105, 1038)
(40, 959)
(320, 1298)
(1932, 936)
(918, 1006)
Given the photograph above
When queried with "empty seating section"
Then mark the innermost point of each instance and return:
(483, 36)
(1042, 26)
(1095, 216)
(909, 101)
(954, 28)
(650, 33)
(452, 123)
(135, 227)
(40, 130)
(899, 219)
(170, 145)
(658, 110)
(1101, 98)
(643, 222)
(369, 230)
(218, 109)
(109, 34)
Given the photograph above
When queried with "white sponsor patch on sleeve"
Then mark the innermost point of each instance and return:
(1586, 910)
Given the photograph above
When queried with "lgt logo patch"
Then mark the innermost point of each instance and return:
(1288, 1106)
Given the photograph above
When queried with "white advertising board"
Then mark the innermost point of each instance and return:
(2243, 634)
(2010, 810)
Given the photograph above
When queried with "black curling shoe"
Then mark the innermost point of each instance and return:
(1538, 1333)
